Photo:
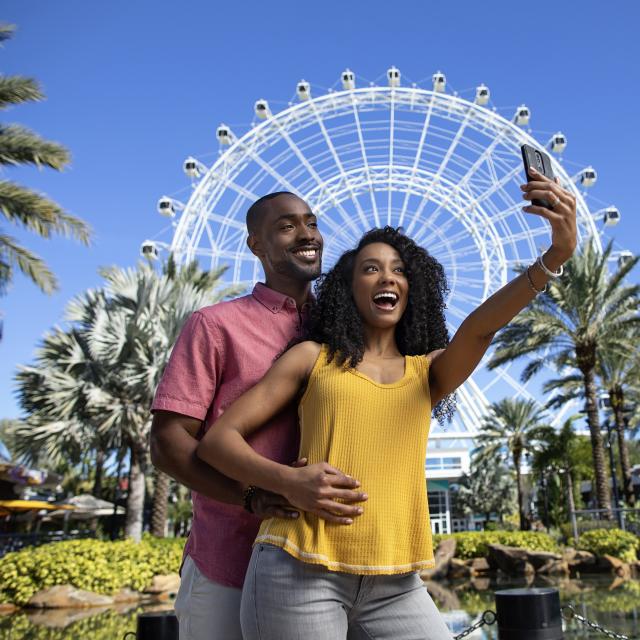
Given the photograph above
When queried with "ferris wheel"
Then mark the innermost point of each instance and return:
(444, 167)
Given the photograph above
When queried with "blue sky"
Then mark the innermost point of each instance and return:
(135, 87)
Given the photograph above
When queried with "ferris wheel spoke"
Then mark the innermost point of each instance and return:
(374, 205)
(462, 183)
(416, 161)
(312, 172)
(339, 165)
(392, 114)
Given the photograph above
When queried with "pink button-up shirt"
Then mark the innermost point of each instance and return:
(222, 351)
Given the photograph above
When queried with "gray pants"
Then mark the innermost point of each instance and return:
(285, 599)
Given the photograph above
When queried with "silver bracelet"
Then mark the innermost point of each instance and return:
(547, 271)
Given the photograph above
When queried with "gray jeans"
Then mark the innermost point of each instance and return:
(286, 599)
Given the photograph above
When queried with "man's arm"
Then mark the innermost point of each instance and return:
(173, 450)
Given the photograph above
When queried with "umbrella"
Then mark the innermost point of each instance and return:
(10, 506)
(86, 506)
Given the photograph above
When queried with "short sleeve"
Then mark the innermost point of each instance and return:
(188, 384)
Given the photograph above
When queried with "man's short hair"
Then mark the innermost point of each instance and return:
(256, 210)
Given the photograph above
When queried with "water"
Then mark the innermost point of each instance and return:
(613, 603)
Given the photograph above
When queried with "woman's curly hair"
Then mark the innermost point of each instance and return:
(335, 321)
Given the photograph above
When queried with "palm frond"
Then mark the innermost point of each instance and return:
(39, 214)
(17, 89)
(11, 253)
(19, 145)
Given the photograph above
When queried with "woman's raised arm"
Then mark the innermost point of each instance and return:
(450, 367)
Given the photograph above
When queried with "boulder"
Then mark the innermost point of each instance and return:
(480, 567)
(6, 608)
(127, 595)
(510, 560)
(443, 555)
(458, 569)
(67, 596)
(583, 562)
(615, 565)
(169, 583)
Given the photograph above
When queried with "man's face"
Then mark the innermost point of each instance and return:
(287, 240)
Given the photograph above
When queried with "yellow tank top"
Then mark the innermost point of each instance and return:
(376, 433)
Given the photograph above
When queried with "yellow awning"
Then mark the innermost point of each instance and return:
(30, 505)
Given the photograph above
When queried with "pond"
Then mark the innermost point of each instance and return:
(612, 603)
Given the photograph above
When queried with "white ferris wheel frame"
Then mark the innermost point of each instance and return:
(465, 201)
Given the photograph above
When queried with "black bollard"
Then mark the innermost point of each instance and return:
(157, 625)
(529, 614)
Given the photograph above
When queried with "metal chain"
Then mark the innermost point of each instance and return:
(569, 613)
(488, 618)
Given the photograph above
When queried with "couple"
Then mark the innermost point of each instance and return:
(336, 555)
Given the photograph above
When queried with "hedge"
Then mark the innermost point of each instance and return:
(614, 542)
(474, 544)
(93, 565)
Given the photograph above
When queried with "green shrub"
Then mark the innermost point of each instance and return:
(474, 544)
(93, 565)
(614, 542)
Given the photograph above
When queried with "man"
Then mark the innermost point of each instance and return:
(222, 351)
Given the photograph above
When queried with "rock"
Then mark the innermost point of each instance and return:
(443, 555)
(583, 562)
(541, 558)
(6, 608)
(553, 568)
(568, 554)
(510, 560)
(458, 569)
(480, 584)
(65, 595)
(127, 595)
(635, 569)
(615, 566)
(480, 567)
(445, 598)
(167, 584)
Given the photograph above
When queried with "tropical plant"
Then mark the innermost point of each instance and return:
(559, 455)
(619, 372)
(487, 489)
(121, 337)
(511, 428)
(22, 206)
(583, 313)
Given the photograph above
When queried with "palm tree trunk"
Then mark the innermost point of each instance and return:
(601, 493)
(135, 497)
(617, 404)
(516, 464)
(160, 504)
(97, 480)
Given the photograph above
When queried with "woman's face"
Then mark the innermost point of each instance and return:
(380, 286)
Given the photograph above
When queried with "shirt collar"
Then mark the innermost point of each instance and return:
(276, 301)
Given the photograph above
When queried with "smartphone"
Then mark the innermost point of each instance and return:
(540, 161)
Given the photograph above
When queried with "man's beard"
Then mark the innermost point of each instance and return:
(299, 272)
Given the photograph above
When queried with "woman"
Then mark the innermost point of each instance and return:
(377, 360)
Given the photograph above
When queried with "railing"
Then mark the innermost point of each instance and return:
(16, 541)
(626, 519)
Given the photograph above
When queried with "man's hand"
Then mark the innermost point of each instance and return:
(270, 505)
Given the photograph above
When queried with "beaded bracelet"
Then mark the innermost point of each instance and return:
(533, 287)
(247, 497)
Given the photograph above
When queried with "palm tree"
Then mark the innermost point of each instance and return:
(557, 454)
(583, 313)
(23, 206)
(511, 428)
(618, 370)
(97, 379)
(486, 489)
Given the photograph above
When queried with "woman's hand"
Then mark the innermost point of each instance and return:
(315, 489)
(561, 216)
